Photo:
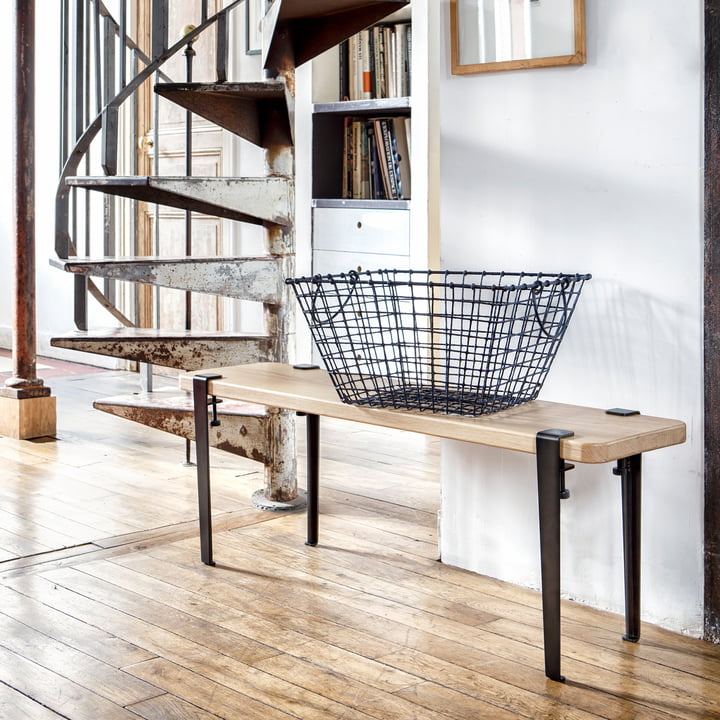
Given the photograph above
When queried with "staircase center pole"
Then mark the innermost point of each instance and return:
(281, 488)
(27, 410)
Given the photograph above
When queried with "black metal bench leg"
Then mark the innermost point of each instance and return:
(630, 471)
(550, 476)
(312, 430)
(202, 453)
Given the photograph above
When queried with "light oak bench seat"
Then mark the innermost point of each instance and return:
(558, 434)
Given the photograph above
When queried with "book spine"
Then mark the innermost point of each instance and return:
(356, 160)
(408, 61)
(353, 57)
(372, 64)
(364, 162)
(379, 85)
(403, 155)
(390, 159)
(382, 158)
(347, 160)
(393, 64)
(386, 31)
(344, 76)
(366, 77)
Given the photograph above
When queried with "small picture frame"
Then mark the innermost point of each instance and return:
(253, 35)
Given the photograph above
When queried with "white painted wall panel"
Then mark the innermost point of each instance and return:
(598, 169)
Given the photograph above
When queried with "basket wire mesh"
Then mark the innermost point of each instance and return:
(465, 343)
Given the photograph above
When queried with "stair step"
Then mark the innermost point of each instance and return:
(260, 200)
(242, 429)
(299, 30)
(259, 279)
(260, 112)
(183, 350)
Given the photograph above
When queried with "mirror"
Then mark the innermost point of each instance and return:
(491, 35)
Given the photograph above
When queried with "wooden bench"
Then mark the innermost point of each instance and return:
(557, 434)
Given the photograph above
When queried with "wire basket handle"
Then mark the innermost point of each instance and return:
(535, 293)
(354, 277)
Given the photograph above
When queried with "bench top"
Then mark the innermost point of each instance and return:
(598, 437)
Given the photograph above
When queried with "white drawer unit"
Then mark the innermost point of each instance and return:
(362, 230)
(329, 262)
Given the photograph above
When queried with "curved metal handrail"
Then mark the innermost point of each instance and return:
(63, 242)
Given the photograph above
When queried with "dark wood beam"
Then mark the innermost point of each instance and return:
(712, 320)
(24, 383)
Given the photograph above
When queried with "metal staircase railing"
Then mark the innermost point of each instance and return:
(97, 58)
(101, 69)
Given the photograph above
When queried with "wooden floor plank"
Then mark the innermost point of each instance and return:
(14, 705)
(206, 607)
(65, 697)
(169, 707)
(223, 699)
(93, 641)
(73, 664)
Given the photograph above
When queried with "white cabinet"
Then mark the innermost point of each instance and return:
(356, 238)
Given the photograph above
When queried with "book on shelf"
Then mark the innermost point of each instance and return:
(376, 158)
(376, 63)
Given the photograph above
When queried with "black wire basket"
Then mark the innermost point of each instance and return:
(463, 343)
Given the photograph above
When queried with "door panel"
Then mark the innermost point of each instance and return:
(207, 161)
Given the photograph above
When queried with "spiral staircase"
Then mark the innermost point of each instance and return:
(261, 113)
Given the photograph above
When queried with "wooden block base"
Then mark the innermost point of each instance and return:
(27, 418)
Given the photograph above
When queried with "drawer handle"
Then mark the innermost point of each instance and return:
(359, 225)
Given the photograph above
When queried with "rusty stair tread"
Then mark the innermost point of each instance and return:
(173, 399)
(179, 349)
(130, 334)
(243, 427)
(255, 200)
(260, 112)
(260, 279)
(300, 30)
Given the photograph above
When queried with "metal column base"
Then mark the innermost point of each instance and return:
(262, 503)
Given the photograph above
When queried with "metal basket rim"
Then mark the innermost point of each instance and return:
(386, 277)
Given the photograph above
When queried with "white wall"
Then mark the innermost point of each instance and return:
(598, 169)
(54, 306)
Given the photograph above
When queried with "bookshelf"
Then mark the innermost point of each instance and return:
(360, 216)
(339, 233)
(362, 126)
(333, 153)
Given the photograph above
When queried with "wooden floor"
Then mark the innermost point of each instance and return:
(106, 612)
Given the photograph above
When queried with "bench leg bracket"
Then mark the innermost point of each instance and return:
(630, 471)
(312, 457)
(202, 456)
(551, 487)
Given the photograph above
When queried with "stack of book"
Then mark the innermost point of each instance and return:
(375, 63)
(376, 158)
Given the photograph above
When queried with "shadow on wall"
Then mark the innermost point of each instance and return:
(627, 348)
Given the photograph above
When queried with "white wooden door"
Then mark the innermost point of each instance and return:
(164, 228)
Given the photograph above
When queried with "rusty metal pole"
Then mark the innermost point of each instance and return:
(281, 489)
(24, 384)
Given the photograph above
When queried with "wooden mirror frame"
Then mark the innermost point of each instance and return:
(579, 57)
